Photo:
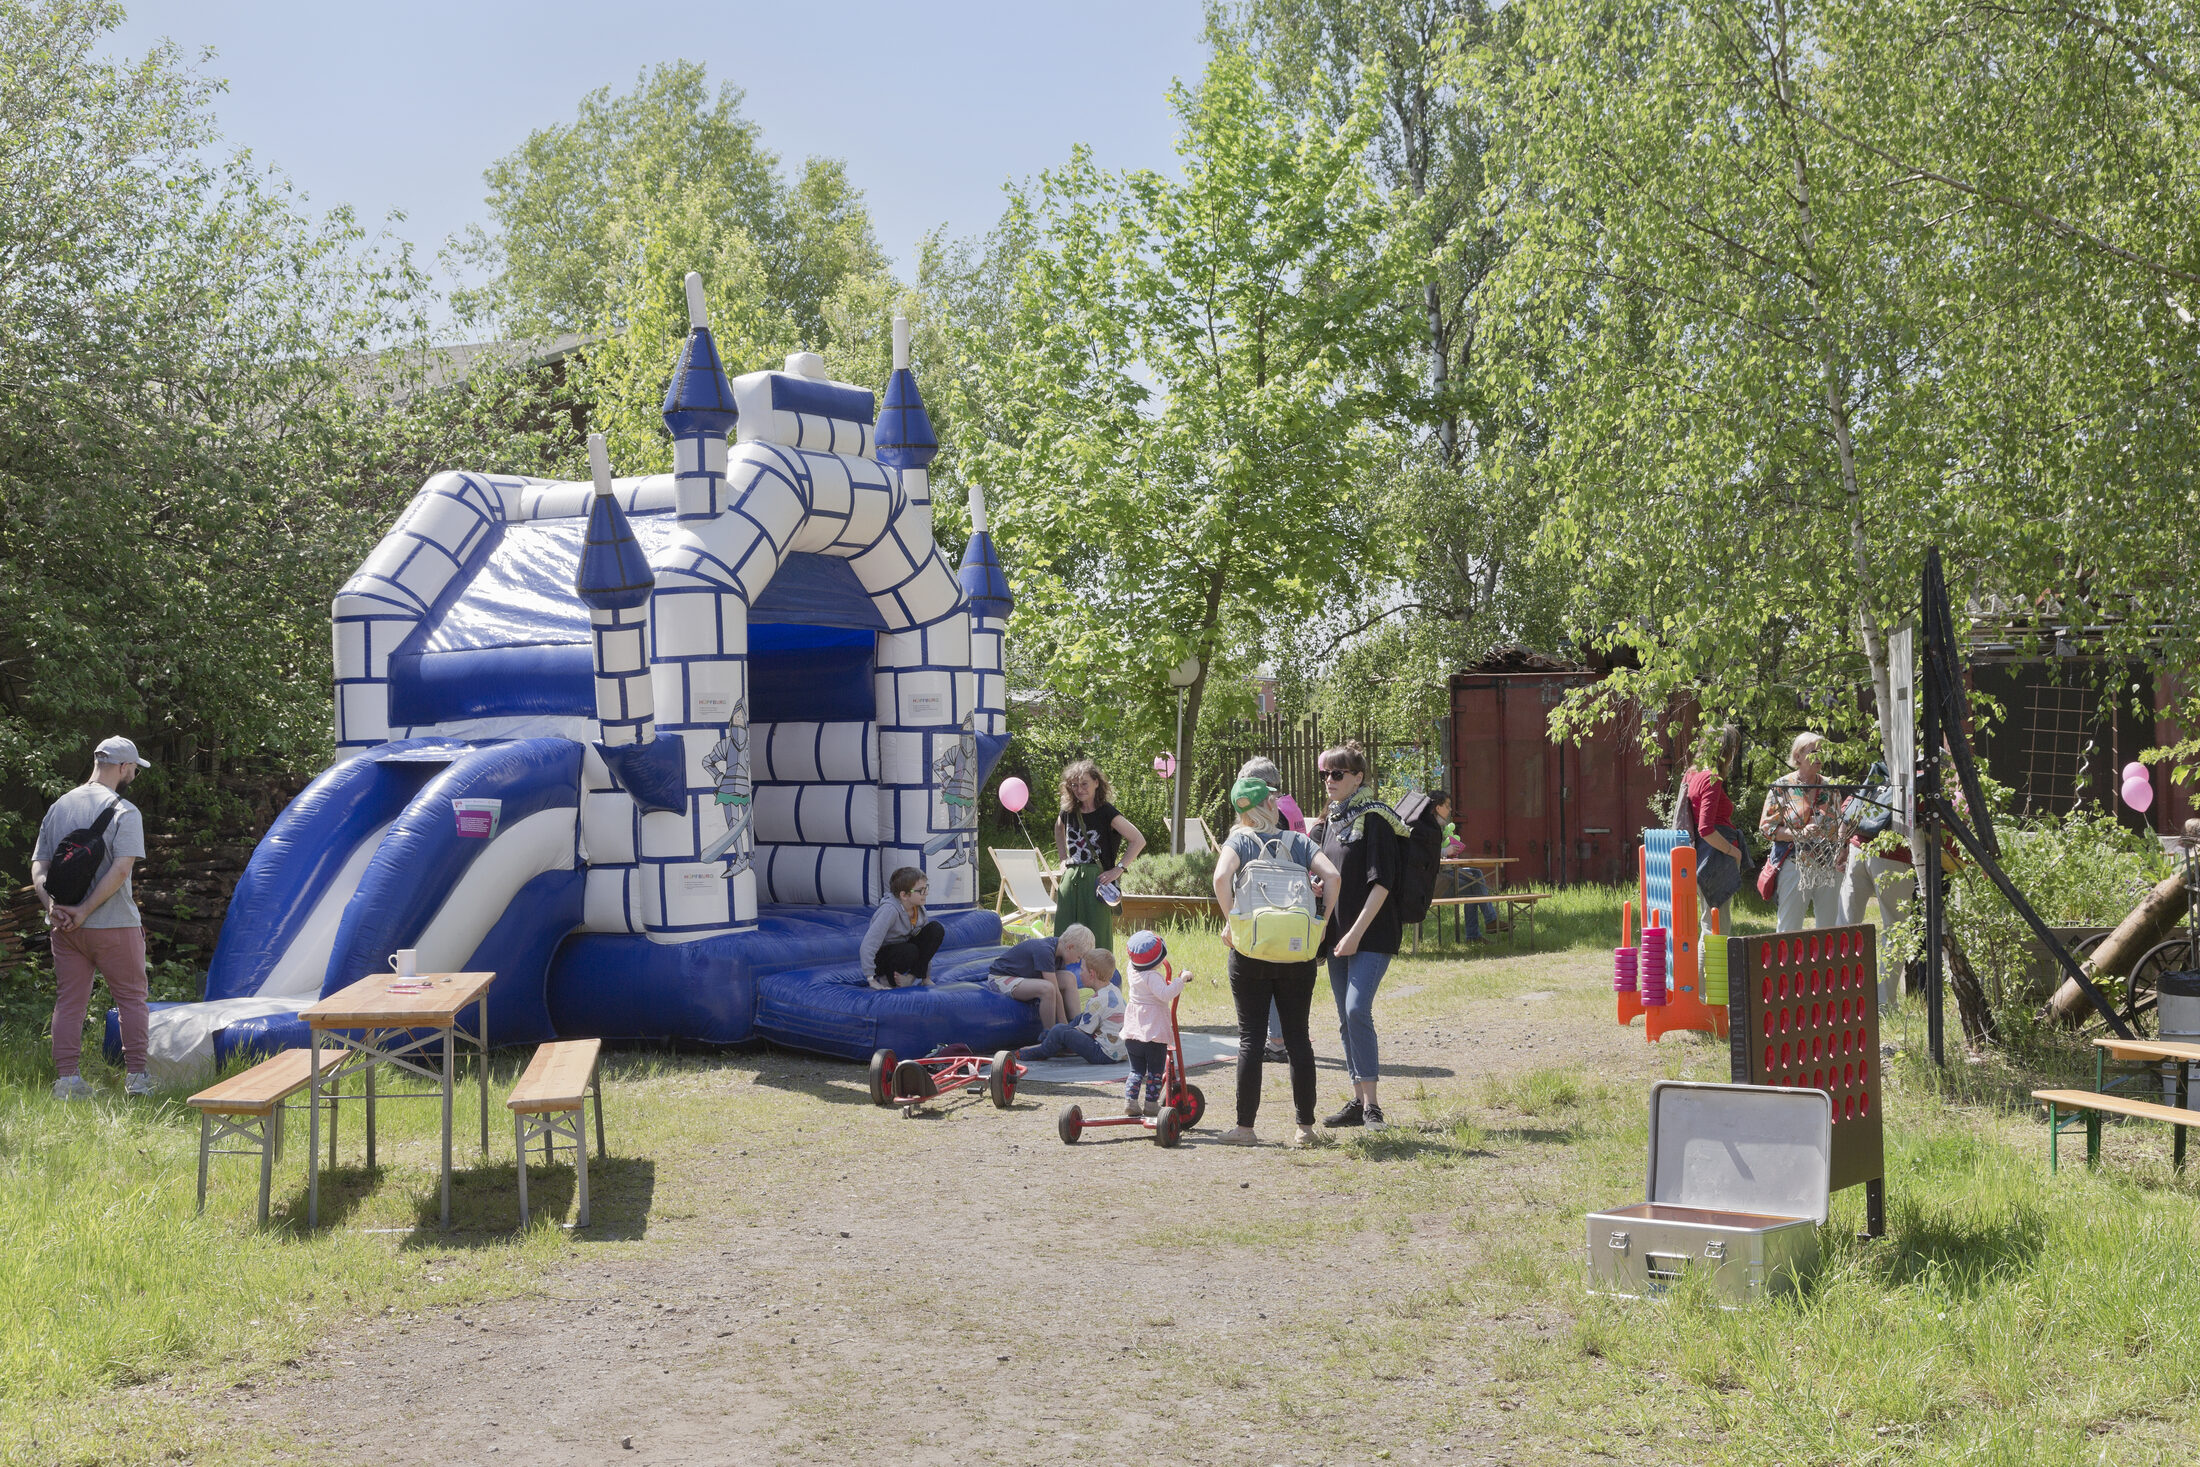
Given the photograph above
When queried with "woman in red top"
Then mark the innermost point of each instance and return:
(1710, 814)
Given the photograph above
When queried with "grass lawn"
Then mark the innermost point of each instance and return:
(2010, 1316)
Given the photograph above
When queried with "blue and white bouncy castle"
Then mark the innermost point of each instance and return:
(648, 749)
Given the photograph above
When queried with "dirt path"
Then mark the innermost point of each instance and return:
(834, 1281)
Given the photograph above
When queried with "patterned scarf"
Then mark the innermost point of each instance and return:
(1354, 810)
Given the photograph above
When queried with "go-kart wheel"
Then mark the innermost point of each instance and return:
(1001, 1084)
(1070, 1123)
(1191, 1107)
(1167, 1129)
(882, 1077)
(913, 1081)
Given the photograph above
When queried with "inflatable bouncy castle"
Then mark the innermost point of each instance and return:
(648, 748)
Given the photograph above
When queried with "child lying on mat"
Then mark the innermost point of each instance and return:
(1096, 1034)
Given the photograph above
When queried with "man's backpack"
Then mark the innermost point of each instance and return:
(77, 859)
(1422, 857)
(1871, 810)
(1275, 916)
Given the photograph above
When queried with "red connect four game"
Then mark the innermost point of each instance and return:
(1803, 1012)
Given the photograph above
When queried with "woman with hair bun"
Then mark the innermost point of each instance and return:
(1090, 835)
(1364, 839)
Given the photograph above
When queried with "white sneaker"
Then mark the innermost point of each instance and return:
(1132, 1109)
(1239, 1136)
(139, 1083)
(72, 1087)
(1303, 1136)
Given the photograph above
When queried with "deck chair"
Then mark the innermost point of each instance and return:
(1197, 837)
(1025, 884)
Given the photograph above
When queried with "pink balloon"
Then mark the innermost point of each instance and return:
(1015, 794)
(2134, 770)
(2139, 794)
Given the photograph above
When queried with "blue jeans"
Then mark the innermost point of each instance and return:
(1066, 1039)
(1465, 881)
(1354, 980)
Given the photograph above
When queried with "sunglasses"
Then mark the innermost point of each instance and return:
(1335, 773)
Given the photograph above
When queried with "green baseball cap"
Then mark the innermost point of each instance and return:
(1249, 791)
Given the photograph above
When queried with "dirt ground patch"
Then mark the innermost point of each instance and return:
(820, 1278)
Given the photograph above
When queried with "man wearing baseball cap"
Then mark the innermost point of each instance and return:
(103, 932)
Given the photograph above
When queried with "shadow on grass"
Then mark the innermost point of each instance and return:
(1965, 1253)
(485, 1202)
(344, 1189)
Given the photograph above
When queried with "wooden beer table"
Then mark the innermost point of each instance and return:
(369, 1025)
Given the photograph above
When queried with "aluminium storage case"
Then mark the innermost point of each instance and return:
(1737, 1190)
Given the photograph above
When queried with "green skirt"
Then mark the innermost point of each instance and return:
(1077, 899)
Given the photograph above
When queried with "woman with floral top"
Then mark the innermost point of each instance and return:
(1804, 812)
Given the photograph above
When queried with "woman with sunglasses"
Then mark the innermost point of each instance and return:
(1364, 839)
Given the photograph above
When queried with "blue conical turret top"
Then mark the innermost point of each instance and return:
(699, 399)
(614, 574)
(905, 438)
(984, 583)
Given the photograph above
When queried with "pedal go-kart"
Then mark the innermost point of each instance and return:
(909, 1083)
(1183, 1104)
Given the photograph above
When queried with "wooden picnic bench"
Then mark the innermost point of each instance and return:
(1513, 901)
(249, 1107)
(2104, 1099)
(550, 1102)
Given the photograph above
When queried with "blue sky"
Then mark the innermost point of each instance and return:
(399, 105)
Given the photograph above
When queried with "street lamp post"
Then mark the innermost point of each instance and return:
(1181, 677)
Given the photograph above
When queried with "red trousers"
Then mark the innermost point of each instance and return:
(118, 953)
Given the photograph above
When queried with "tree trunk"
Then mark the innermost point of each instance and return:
(2147, 925)
(1979, 1029)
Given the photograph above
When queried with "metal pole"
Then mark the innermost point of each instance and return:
(1176, 845)
(1927, 819)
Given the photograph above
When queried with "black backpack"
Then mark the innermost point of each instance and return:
(77, 859)
(1422, 857)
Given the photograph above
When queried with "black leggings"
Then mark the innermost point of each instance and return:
(912, 954)
(1254, 985)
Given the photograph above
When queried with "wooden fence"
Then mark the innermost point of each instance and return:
(1295, 744)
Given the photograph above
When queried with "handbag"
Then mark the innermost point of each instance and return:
(1768, 879)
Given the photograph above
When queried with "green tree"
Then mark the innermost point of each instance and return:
(1183, 398)
(1765, 347)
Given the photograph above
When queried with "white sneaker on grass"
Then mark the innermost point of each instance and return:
(72, 1087)
(139, 1083)
(1239, 1136)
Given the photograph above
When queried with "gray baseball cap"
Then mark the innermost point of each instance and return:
(119, 750)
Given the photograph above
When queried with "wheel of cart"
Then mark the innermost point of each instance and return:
(1167, 1128)
(1190, 1107)
(1001, 1083)
(1070, 1124)
(882, 1077)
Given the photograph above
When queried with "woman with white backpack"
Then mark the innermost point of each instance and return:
(1277, 887)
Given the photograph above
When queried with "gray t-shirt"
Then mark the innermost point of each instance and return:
(125, 834)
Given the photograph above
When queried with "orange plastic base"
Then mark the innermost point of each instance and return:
(1684, 1008)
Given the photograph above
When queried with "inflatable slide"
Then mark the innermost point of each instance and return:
(648, 748)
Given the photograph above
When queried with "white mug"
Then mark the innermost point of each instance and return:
(406, 960)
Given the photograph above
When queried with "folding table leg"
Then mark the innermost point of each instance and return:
(2054, 1136)
(370, 1117)
(580, 1163)
(206, 1129)
(2093, 1138)
(519, 1144)
(450, 1059)
(267, 1161)
(313, 1136)
(595, 1084)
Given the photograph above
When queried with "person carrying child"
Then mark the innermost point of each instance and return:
(899, 945)
(1037, 970)
(1096, 1034)
(1147, 1025)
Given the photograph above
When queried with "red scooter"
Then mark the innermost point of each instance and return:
(909, 1083)
(1182, 1104)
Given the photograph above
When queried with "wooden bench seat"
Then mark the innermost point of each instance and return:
(248, 1107)
(1512, 900)
(549, 1103)
(2093, 1104)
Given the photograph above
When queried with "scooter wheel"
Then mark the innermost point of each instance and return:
(1167, 1130)
(1001, 1084)
(1070, 1123)
(913, 1081)
(1191, 1107)
(882, 1077)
